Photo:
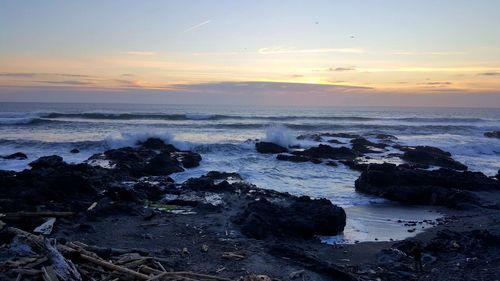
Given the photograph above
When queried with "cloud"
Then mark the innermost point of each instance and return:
(257, 87)
(67, 82)
(41, 74)
(490, 73)
(196, 26)
(340, 69)
(140, 53)
(411, 53)
(282, 50)
(436, 83)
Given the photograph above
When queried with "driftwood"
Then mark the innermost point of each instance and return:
(62, 268)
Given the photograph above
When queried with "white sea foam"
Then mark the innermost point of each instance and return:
(123, 139)
(280, 134)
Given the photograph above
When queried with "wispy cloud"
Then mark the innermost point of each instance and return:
(35, 74)
(411, 53)
(196, 26)
(282, 50)
(340, 69)
(436, 83)
(140, 53)
(490, 74)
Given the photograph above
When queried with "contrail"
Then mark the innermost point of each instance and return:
(196, 26)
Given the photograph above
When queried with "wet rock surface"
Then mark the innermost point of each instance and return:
(15, 156)
(303, 217)
(269, 147)
(436, 187)
(428, 155)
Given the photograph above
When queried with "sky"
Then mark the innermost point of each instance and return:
(300, 53)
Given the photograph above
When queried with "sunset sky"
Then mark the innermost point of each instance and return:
(392, 52)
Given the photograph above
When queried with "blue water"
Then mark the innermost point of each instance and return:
(223, 136)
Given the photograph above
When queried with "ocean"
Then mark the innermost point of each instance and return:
(225, 137)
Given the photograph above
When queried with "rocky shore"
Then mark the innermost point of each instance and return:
(120, 215)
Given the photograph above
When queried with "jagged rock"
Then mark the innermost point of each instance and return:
(363, 145)
(16, 156)
(304, 217)
(437, 187)
(157, 144)
(269, 147)
(292, 158)
(190, 160)
(151, 158)
(428, 155)
(47, 162)
(328, 152)
(385, 137)
(216, 175)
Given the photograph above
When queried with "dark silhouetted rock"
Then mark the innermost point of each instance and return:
(162, 164)
(47, 162)
(190, 160)
(216, 175)
(328, 152)
(437, 187)
(304, 217)
(16, 156)
(157, 144)
(152, 158)
(363, 145)
(385, 137)
(292, 158)
(428, 155)
(74, 150)
(494, 134)
(269, 147)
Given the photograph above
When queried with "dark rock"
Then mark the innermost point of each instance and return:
(385, 137)
(201, 183)
(16, 156)
(292, 158)
(428, 155)
(269, 147)
(363, 145)
(74, 150)
(162, 164)
(328, 152)
(190, 160)
(355, 165)
(341, 135)
(313, 137)
(157, 144)
(331, 163)
(494, 134)
(54, 182)
(47, 162)
(152, 158)
(437, 187)
(304, 217)
(216, 175)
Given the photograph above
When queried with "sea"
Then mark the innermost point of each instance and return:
(225, 137)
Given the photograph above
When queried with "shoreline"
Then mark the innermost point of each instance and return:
(219, 225)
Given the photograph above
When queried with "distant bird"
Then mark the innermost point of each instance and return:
(352, 36)
(317, 22)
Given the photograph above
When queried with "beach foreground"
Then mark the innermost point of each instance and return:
(120, 216)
